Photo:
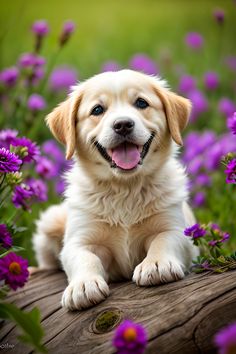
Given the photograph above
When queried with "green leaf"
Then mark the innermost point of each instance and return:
(29, 322)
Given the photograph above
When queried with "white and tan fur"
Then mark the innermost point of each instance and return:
(115, 224)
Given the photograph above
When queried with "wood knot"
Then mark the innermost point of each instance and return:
(107, 320)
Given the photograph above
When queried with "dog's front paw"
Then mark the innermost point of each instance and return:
(81, 294)
(150, 272)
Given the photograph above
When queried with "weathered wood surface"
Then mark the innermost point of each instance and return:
(180, 317)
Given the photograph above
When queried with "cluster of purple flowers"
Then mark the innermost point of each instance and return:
(202, 156)
(211, 234)
(225, 339)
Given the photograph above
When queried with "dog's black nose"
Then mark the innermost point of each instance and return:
(123, 126)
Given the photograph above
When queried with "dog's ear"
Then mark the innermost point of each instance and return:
(62, 122)
(177, 110)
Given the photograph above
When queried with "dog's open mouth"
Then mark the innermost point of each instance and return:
(126, 156)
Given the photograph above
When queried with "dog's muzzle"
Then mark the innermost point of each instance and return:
(127, 155)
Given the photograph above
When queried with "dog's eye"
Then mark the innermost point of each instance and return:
(141, 103)
(97, 110)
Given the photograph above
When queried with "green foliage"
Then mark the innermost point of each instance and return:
(28, 322)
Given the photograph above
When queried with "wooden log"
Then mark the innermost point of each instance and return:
(180, 317)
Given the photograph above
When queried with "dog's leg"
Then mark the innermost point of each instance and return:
(85, 261)
(169, 254)
(47, 240)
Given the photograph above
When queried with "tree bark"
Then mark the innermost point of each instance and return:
(180, 317)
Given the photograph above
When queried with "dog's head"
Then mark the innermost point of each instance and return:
(120, 123)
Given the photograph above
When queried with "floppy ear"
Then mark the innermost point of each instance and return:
(177, 110)
(62, 122)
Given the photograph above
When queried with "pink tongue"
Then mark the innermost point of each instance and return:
(126, 156)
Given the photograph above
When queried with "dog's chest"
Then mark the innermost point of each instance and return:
(125, 207)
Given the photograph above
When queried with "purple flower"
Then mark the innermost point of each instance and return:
(29, 59)
(40, 28)
(36, 103)
(231, 123)
(9, 76)
(26, 60)
(231, 172)
(195, 231)
(62, 78)
(203, 180)
(187, 84)
(67, 30)
(199, 102)
(194, 40)
(46, 168)
(226, 106)
(141, 62)
(51, 148)
(60, 186)
(6, 137)
(31, 150)
(5, 237)
(39, 189)
(225, 339)
(110, 66)
(231, 62)
(211, 80)
(199, 199)
(9, 162)
(219, 15)
(22, 196)
(13, 270)
(130, 338)
(68, 27)
(195, 165)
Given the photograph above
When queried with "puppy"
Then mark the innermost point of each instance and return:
(125, 205)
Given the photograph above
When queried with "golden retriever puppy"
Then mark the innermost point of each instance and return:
(125, 204)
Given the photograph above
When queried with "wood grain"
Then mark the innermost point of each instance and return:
(180, 317)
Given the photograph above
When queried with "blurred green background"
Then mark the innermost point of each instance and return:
(115, 29)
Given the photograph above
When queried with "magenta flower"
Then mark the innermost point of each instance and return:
(226, 106)
(22, 196)
(5, 237)
(9, 162)
(9, 76)
(130, 338)
(36, 103)
(195, 231)
(68, 27)
(46, 168)
(141, 62)
(231, 123)
(199, 199)
(60, 186)
(39, 189)
(29, 59)
(199, 102)
(6, 137)
(211, 80)
(203, 180)
(187, 84)
(51, 148)
(194, 40)
(110, 65)
(40, 28)
(219, 15)
(62, 78)
(31, 149)
(225, 339)
(13, 270)
(231, 172)
(231, 62)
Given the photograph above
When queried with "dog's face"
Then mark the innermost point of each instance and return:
(120, 123)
